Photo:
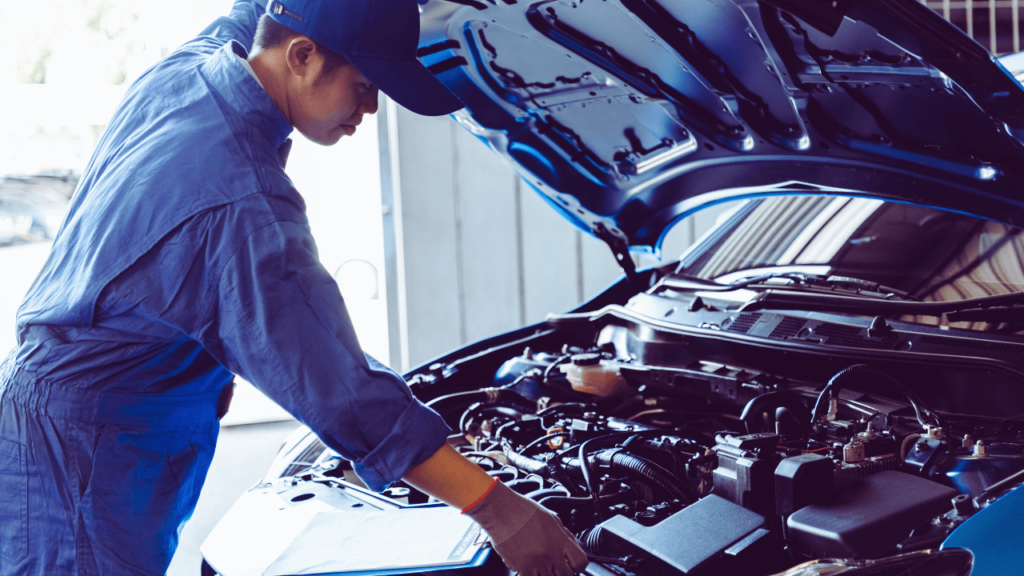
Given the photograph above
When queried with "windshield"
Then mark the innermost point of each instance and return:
(933, 255)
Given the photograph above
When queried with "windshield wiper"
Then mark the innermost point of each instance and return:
(1008, 313)
(801, 278)
(1003, 307)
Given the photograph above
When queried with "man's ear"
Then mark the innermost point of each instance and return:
(299, 56)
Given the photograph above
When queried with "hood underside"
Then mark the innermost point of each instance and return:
(630, 114)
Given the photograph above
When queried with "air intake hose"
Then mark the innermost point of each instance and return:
(659, 476)
(633, 465)
(618, 461)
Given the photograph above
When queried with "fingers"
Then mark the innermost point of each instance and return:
(568, 534)
(573, 562)
(536, 544)
(569, 565)
(511, 566)
(574, 554)
(577, 559)
(555, 567)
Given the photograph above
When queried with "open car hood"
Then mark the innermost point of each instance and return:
(630, 114)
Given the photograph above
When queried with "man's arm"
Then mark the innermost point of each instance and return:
(530, 539)
(280, 322)
(449, 476)
(239, 24)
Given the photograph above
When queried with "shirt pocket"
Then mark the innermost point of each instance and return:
(14, 504)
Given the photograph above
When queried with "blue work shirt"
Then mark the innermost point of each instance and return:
(185, 257)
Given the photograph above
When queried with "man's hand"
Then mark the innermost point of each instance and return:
(531, 540)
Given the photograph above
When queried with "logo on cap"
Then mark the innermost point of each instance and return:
(280, 9)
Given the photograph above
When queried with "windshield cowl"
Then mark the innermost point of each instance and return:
(846, 253)
(989, 308)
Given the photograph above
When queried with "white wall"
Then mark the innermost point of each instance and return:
(471, 250)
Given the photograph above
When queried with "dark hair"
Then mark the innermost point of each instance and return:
(272, 34)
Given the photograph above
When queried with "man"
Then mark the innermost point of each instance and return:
(186, 257)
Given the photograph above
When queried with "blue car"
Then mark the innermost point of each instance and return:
(829, 381)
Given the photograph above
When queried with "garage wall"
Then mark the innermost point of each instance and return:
(471, 251)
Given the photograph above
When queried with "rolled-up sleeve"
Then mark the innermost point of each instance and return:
(279, 321)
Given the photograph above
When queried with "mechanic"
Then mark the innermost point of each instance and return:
(185, 257)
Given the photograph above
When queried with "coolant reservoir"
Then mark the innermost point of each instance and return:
(590, 374)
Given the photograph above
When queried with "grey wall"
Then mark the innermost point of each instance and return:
(471, 251)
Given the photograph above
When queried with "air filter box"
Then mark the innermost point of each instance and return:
(712, 536)
(869, 517)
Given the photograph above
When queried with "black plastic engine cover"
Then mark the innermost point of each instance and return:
(712, 536)
(801, 481)
(869, 517)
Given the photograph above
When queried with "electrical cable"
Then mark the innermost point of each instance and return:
(646, 468)
(486, 395)
(543, 439)
(550, 367)
(531, 373)
(585, 468)
(578, 408)
(835, 385)
(491, 394)
(566, 503)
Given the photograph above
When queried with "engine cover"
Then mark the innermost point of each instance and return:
(692, 541)
(869, 517)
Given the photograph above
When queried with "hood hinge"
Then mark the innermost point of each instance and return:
(621, 251)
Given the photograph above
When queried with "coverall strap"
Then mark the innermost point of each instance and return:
(105, 407)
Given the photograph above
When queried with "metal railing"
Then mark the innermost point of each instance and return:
(1003, 17)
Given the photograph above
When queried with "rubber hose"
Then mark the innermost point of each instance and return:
(570, 503)
(526, 463)
(649, 470)
(592, 541)
(525, 485)
(543, 493)
(642, 467)
(751, 415)
(784, 418)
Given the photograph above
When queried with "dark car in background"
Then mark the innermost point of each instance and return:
(830, 381)
(33, 206)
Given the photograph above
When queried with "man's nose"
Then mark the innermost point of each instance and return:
(370, 102)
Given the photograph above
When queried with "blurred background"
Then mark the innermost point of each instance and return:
(73, 61)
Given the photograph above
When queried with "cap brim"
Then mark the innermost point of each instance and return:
(410, 84)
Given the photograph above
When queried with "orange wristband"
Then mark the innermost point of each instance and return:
(477, 501)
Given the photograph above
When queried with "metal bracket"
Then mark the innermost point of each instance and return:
(620, 249)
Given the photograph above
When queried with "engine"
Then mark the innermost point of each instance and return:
(667, 466)
(709, 469)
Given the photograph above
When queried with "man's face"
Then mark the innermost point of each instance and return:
(331, 106)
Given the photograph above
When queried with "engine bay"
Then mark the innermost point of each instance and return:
(663, 461)
(687, 484)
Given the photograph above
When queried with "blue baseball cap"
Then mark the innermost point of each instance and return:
(379, 37)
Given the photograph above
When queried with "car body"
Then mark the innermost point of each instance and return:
(829, 380)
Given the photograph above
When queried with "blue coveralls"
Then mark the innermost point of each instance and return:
(185, 257)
